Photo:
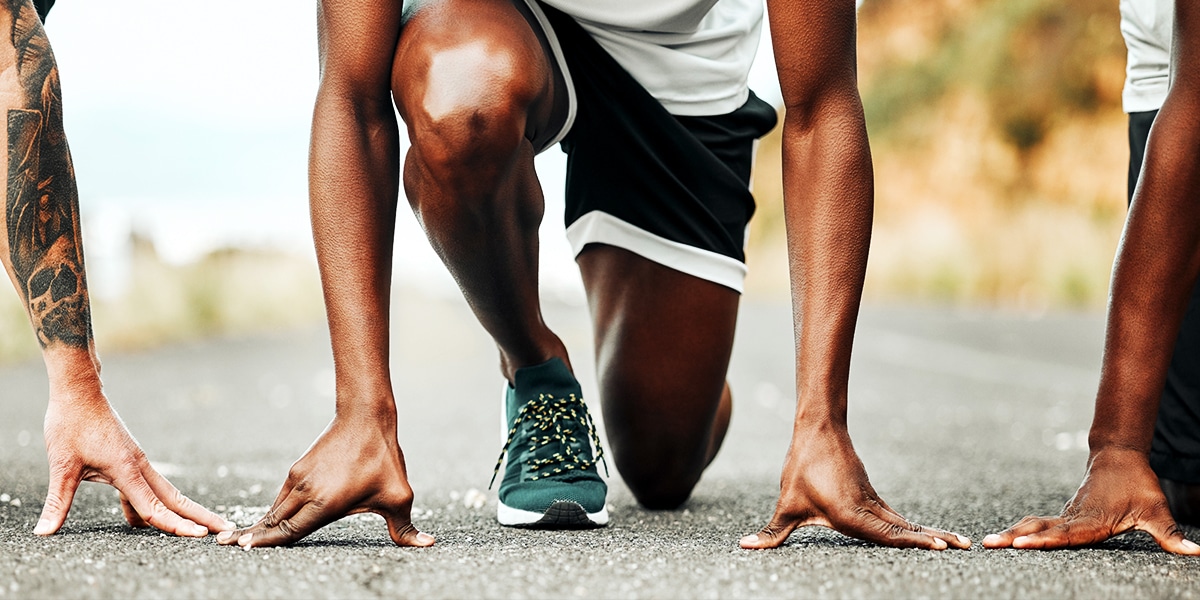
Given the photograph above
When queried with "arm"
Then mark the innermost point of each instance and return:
(1156, 265)
(828, 203)
(356, 464)
(40, 246)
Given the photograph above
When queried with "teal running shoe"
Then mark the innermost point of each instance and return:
(551, 479)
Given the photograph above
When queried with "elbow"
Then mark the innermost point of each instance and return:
(366, 103)
(830, 94)
(833, 104)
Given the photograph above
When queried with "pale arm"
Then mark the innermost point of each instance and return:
(42, 251)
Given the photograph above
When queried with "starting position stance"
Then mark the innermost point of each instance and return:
(1153, 277)
(649, 100)
(42, 250)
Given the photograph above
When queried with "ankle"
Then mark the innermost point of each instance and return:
(511, 362)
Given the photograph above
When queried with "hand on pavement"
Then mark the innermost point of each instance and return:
(824, 483)
(354, 466)
(1119, 493)
(86, 441)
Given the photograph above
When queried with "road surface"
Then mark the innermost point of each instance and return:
(965, 421)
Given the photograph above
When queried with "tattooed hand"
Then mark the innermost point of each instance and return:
(86, 441)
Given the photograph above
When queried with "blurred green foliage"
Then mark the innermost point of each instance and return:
(232, 291)
(1035, 61)
(999, 153)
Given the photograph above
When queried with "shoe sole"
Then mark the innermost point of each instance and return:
(563, 514)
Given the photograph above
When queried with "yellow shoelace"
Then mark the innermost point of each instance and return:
(549, 414)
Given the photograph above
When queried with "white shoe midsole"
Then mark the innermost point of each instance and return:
(508, 515)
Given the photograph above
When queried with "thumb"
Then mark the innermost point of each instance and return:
(1162, 527)
(58, 501)
(773, 535)
(404, 533)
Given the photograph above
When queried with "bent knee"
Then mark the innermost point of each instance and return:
(658, 492)
(662, 477)
(467, 104)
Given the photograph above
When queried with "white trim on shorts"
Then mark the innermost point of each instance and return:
(598, 227)
(556, 49)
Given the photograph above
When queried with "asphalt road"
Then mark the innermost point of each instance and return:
(965, 420)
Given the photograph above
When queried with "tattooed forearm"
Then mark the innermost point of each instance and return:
(42, 208)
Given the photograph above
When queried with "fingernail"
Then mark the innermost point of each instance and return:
(962, 540)
(246, 539)
(1020, 541)
(939, 544)
(991, 539)
(750, 539)
(424, 538)
(43, 527)
(228, 526)
(1190, 546)
(224, 536)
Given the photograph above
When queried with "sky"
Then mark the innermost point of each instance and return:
(188, 122)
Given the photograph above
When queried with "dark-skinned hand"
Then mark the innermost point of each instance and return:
(1119, 493)
(355, 466)
(824, 483)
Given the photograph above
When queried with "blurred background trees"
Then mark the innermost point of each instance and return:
(1000, 152)
(999, 146)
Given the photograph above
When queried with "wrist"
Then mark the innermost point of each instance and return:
(1116, 453)
(818, 422)
(1102, 441)
(820, 410)
(373, 408)
(73, 373)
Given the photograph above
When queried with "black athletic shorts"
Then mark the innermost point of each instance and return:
(672, 189)
(43, 7)
(1175, 447)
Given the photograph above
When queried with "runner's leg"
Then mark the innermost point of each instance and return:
(663, 340)
(479, 92)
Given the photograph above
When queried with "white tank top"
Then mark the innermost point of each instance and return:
(693, 56)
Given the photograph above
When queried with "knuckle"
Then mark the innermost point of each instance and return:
(179, 499)
(398, 501)
(287, 529)
(405, 529)
(1168, 528)
(61, 466)
(894, 530)
(54, 503)
(299, 481)
(158, 513)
